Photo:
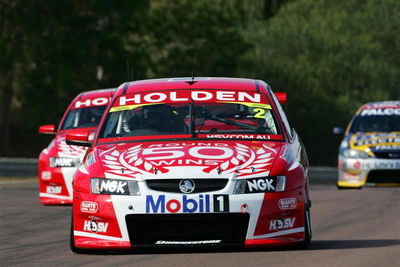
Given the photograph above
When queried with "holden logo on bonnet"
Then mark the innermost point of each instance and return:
(186, 186)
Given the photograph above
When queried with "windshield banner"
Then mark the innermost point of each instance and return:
(132, 101)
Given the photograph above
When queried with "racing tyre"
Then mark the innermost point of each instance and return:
(307, 230)
(71, 240)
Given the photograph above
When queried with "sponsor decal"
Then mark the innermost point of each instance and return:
(95, 227)
(380, 112)
(89, 206)
(394, 155)
(287, 203)
(369, 164)
(387, 164)
(214, 158)
(242, 136)
(187, 204)
(115, 187)
(62, 162)
(258, 185)
(387, 147)
(280, 224)
(199, 242)
(357, 165)
(46, 175)
(100, 101)
(382, 140)
(350, 176)
(377, 141)
(52, 189)
(184, 97)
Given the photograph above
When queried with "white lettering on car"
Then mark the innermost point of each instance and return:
(113, 186)
(260, 185)
(95, 227)
(281, 224)
(192, 95)
(380, 112)
(100, 101)
(52, 189)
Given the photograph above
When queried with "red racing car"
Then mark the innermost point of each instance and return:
(58, 162)
(191, 162)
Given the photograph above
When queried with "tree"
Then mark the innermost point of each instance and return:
(186, 36)
(331, 57)
(51, 51)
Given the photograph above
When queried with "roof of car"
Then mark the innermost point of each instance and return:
(189, 83)
(97, 93)
(382, 104)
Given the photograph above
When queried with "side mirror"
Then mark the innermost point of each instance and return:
(281, 96)
(47, 129)
(337, 130)
(78, 137)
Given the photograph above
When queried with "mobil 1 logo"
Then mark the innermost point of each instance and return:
(260, 185)
(221, 203)
(187, 204)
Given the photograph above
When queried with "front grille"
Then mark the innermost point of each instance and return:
(147, 229)
(388, 155)
(172, 185)
(383, 176)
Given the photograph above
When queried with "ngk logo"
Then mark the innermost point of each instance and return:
(260, 185)
(100, 101)
(113, 186)
(95, 227)
(280, 224)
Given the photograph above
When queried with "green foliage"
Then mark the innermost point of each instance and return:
(186, 36)
(331, 57)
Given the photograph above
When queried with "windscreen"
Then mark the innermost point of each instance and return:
(83, 117)
(376, 123)
(189, 118)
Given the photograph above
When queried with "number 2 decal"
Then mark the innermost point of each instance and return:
(259, 113)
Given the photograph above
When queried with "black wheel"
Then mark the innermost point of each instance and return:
(307, 230)
(71, 239)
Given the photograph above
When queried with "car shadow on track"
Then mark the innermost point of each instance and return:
(315, 245)
(351, 244)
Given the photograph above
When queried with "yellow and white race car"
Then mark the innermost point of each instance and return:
(370, 151)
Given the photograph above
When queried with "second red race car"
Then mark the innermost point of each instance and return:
(58, 161)
(191, 162)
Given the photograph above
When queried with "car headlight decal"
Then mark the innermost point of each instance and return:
(355, 154)
(114, 187)
(261, 185)
(64, 162)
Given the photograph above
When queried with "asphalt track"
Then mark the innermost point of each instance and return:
(350, 228)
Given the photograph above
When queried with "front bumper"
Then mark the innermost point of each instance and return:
(126, 222)
(359, 172)
(55, 185)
